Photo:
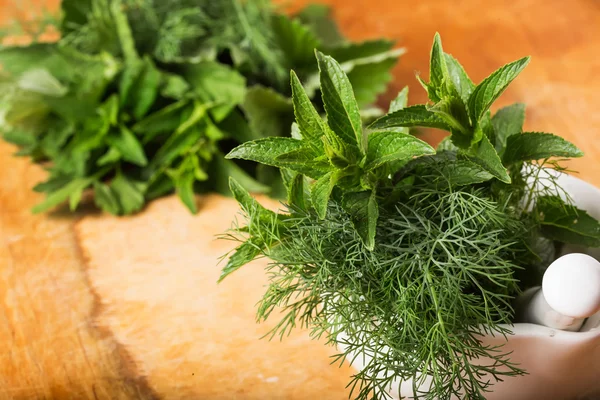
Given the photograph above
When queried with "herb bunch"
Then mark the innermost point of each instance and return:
(401, 253)
(140, 98)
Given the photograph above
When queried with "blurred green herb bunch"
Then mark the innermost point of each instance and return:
(141, 98)
(400, 252)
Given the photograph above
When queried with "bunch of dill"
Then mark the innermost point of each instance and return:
(402, 255)
(141, 98)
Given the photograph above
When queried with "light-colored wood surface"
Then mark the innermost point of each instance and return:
(96, 307)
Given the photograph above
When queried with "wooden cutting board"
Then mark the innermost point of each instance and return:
(97, 307)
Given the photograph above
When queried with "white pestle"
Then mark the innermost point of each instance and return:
(570, 293)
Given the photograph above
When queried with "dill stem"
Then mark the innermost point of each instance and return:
(437, 312)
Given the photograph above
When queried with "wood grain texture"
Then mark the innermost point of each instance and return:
(96, 307)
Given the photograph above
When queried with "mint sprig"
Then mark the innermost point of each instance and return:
(342, 157)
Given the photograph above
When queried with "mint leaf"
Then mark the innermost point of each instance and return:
(493, 86)
(339, 153)
(465, 172)
(265, 151)
(105, 199)
(438, 71)
(343, 115)
(320, 193)
(537, 146)
(310, 123)
(184, 186)
(173, 86)
(268, 112)
(123, 29)
(400, 102)
(411, 116)
(364, 212)
(508, 121)
(130, 193)
(305, 161)
(222, 170)
(566, 223)
(452, 110)
(243, 254)
(297, 42)
(128, 146)
(175, 146)
(296, 195)
(487, 158)
(165, 120)
(60, 195)
(318, 18)
(388, 146)
(145, 89)
(462, 83)
(370, 76)
(217, 83)
(247, 202)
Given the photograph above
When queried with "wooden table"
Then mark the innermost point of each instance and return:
(96, 307)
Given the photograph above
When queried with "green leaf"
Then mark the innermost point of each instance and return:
(247, 202)
(297, 42)
(16, 60)
(40, 81)
(452, 110)
(184, 186)
(362, 50)
(487, 157)
(411, 116)
(265, 151)
(111, 156)
(320, 193)
(161, 185)
(508, 121)
(109, 110)
(389, 146)
(217, 83)
(220, 172)
(566, 223)
(131, 73)
(339, 153)
(465, 172)
(75, 199)
(439, 77)
(296, 194)
(462, 83)
(61, 195)
(129, 193)
(537, 146)
(269, 113)
(318, 18)
(174, 86)
(243, 254)
(123, 31)
(310, 123)
(446, 145)
(343, 115)
(364, 212)
(106, 199)
(165, 120)
(305, 161)
(400, 102)
(128, 146)
(370, 76)
(493, 86)
(145, 89)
